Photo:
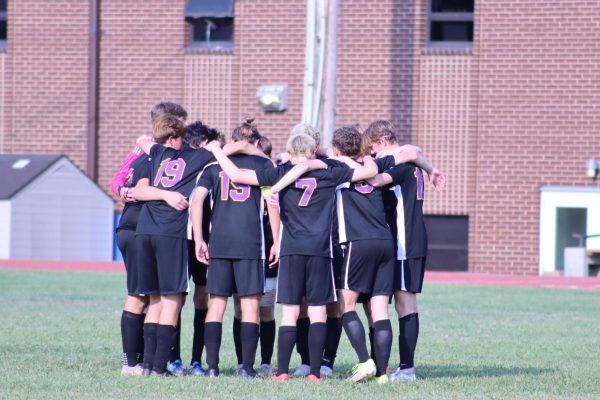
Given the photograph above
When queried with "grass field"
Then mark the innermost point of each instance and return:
(59, 338)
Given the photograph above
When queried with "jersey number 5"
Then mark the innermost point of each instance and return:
(235, 191)
(169, 172)
(309, 185)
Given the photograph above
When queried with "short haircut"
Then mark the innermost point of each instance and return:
(377, 130)
(247, 131)
(168, 107)
(306, 129)
(196, 133)
(348, 141)
(301, 146)
(264, 144)
(166, 126)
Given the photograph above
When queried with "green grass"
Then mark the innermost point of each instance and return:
(59, 338)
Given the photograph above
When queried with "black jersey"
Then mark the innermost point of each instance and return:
(404, 209)
(237, 211)
(306, 208)
(174, 170)
(139, 169)
(360, 211)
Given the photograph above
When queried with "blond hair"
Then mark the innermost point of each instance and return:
(306, 129)
(301, 146)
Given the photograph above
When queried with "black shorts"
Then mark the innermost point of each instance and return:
(196, 268)
(162, 262)
(127, 245)
(409, 274)
(241, 276)
(338, 263)
(310, 276)
(369, 267)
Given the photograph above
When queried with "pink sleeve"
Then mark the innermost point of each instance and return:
(119, 179)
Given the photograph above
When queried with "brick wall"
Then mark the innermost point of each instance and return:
(142, 62)
(538, 119)
(3, 104)
(46, 80)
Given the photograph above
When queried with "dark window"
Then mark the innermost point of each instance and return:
(450, 23)
(211, 23)
(3, 22)
(448, 243)
(569, 222)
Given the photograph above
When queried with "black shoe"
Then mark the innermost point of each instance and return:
(247, 374)
(165, 374)
(212, 372)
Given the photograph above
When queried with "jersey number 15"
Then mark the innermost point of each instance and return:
(231, 190)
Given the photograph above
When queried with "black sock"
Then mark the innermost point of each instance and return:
(198, 344)
(149, 344)
(356, 334)
(212, 341)
(249, 337)
(166, 335)
(371, 333)
(267, 341)
(131, 331)
(302, 326)
(316, 344)
(409, 334)
(176, 351)
(285, 346)
(332, 341)
(237, 339)
(383, 344)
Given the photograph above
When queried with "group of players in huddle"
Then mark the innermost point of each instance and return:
(317, 230)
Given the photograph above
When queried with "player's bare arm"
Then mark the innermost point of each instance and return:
(275, 222)
(197, 214)
(242, 147)
(149, 193)
(366, 171)
(235, 174)
(145, 142)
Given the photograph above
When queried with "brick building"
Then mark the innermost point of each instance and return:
(502, 96)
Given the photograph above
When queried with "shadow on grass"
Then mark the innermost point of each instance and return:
(427, 371)
(475, 371)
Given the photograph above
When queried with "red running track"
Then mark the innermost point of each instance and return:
(453, 278)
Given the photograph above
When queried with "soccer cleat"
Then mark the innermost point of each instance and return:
(136, 370)
(266, 369)
(402, 375)
(362, 371)
(382, 380)
(247, 374)
(146, 372)
(325, 370)
(176, 368)
(313, 378)
(302, 370)
(238, 368)
(281, 377)
(196, 369)
(212, 373)
(165, 374)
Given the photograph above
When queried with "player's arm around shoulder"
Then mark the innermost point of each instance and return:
(237, 175)
(197, 215)
(366, 171)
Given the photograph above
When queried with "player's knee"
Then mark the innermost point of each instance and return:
(267, 313)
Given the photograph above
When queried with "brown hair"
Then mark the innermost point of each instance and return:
(247, 131)
(264, 144)
(167, 107)
(166, 126)
(348, 141)
(377, 130)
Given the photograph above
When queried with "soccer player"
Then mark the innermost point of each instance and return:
(197, 135)
(161, 237)
(134, 171)
(403, 198)
(267, 328)
(305, 254)
(236, 248)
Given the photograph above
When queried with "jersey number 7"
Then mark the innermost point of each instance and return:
(309, 185)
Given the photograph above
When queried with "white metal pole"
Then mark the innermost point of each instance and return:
(309, 60)
(330, 77)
